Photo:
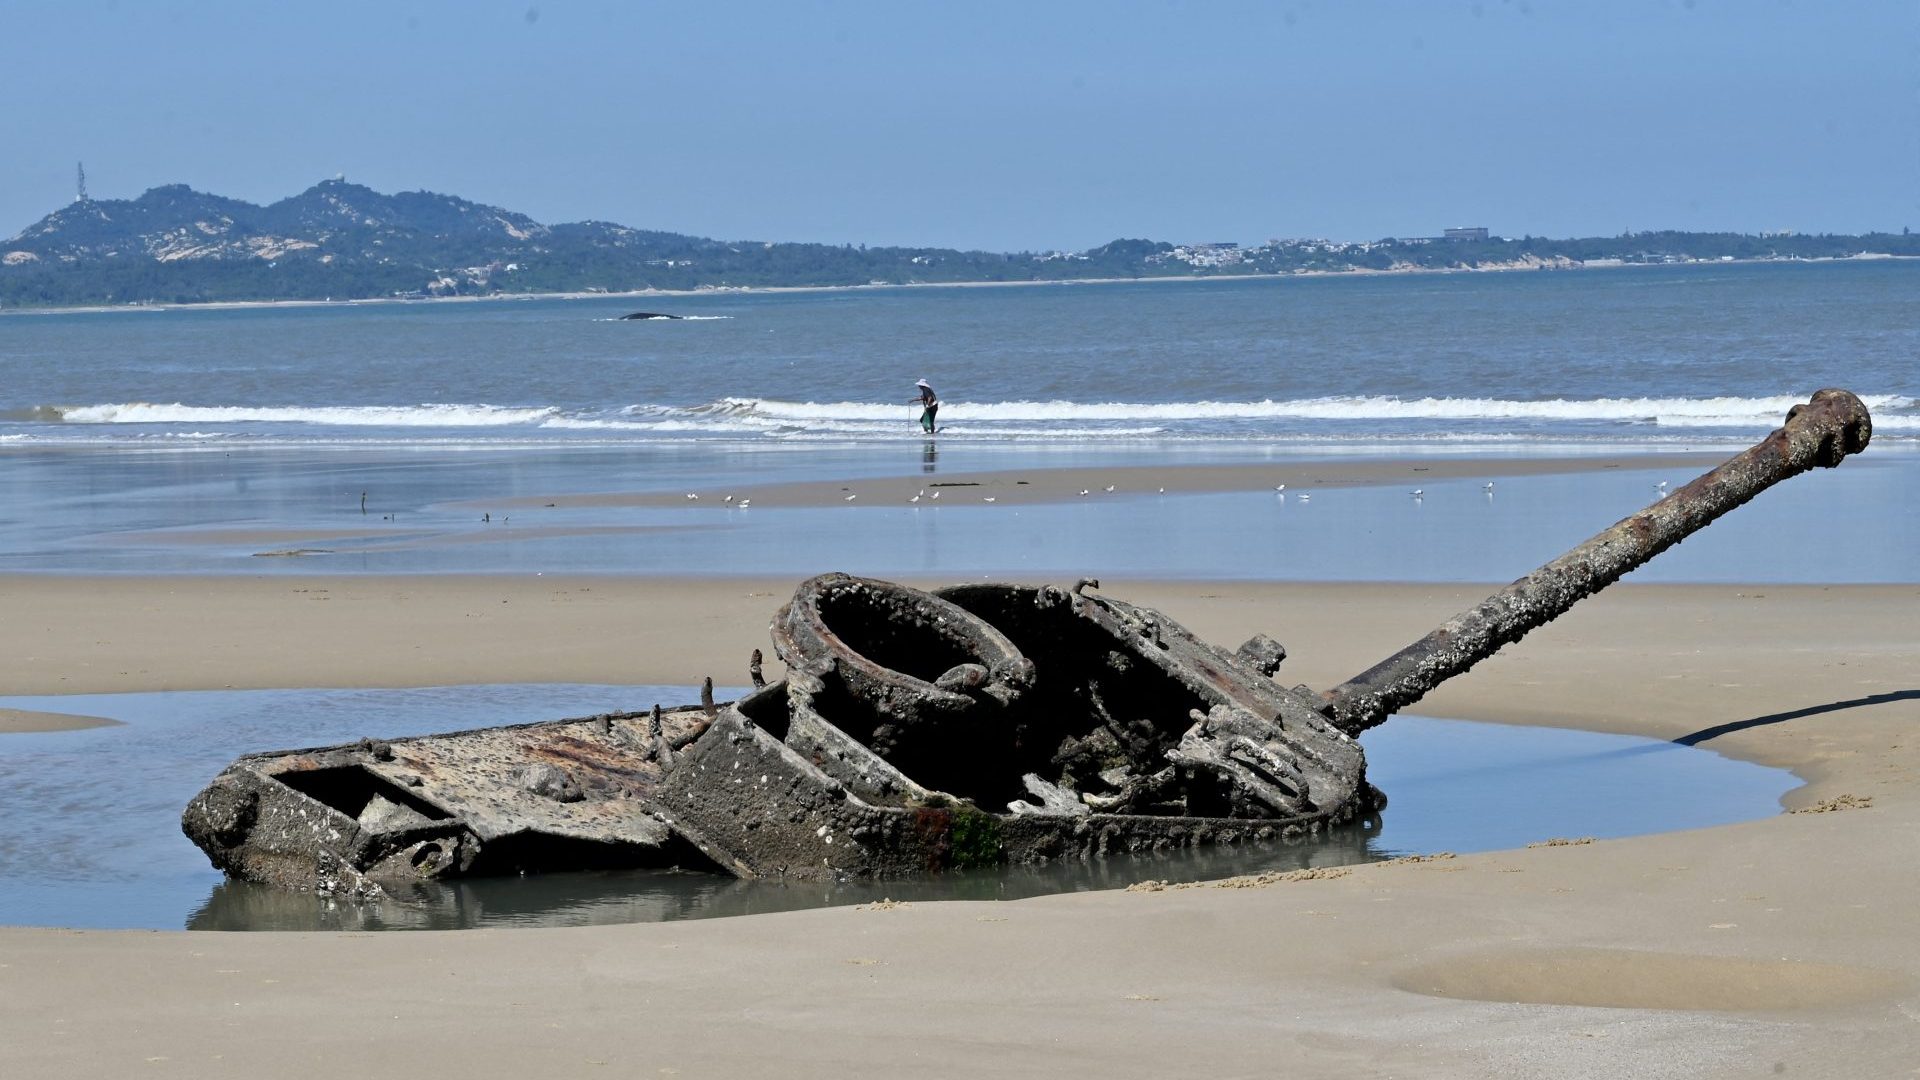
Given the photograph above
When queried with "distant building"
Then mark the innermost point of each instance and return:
(1475, 232)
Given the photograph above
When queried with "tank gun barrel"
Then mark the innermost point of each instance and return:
(1820, 433)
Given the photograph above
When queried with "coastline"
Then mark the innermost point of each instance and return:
(1788, 940)
(752, 290)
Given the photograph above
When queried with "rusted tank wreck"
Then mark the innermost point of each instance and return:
(922, 730)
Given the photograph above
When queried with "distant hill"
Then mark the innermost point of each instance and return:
(343, 241)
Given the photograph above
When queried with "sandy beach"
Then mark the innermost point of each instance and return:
(1782, 946)
(1532, 395)
(1785, 946)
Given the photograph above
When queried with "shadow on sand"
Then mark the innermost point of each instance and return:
(1705, 734)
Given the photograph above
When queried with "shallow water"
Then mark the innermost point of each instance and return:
(192, 441)
(93, 837)
(119, 511)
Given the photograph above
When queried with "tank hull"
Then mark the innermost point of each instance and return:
(1102, 728)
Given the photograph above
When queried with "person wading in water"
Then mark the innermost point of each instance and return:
(929, 406)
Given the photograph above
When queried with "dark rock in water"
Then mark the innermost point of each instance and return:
(649, 315)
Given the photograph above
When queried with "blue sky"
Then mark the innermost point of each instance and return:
(1005, 126)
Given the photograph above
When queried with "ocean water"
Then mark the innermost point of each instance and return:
(1623, 357)
(376, 438)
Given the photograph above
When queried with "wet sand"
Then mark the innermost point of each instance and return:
(1041, 485)
(25, 720)
(1788, 946)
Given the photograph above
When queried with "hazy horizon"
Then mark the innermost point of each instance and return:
(995, 127)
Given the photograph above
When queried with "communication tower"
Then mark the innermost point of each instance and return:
(80, 182)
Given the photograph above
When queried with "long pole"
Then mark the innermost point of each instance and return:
(1820, 433)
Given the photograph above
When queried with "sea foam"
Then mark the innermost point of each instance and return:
(1682, 412)
(1429, 418)
(431, 415)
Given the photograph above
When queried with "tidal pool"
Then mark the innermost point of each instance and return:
(92, 836)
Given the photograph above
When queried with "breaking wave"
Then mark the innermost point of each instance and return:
(1666, 412)
(331, 415)
(1336, 418)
